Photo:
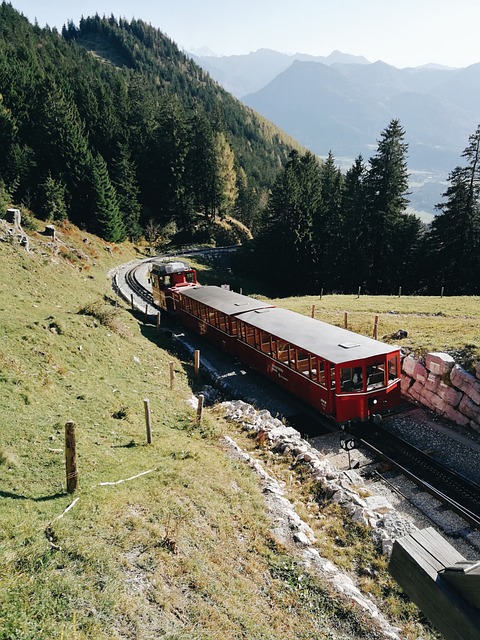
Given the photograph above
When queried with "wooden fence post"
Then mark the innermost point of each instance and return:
(375, 327)
(443, 289)
(71, 457)
(148, 422)
(399, 292)
(158, 321)
(345, 320)
(321, 293)
(197, 361)
(146, 312)
(172, 375)
(200, 408)
(359, 292)
(313, 311)
(131, 302)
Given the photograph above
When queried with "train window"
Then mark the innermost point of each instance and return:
(351, 379)
(190, 277)
(203, 313)
(273, 346)
(321, 372)
(375, 376)
(222, 321)
(303, 362)
(210, 316)
(249, 335)
(393, 367)
(265, 343)
(282, 351)
(232, 327)
(332, 377)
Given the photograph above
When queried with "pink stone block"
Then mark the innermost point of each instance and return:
(439, 363)
(408, 365)
(450, 395)
(455, 416)
(461, 378)
(432, 382)
(420, 373)
(473, 392)
(469, 408)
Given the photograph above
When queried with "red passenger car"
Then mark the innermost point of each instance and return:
(346, 376)
(342, 374)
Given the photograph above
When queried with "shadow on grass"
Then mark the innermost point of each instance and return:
(16, 496)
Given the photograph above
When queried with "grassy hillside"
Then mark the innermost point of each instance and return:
(182, 551)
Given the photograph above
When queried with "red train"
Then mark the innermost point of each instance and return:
(342, 374)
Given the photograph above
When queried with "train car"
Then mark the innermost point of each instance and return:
(346, 376)
(166, 279)
(342, 374)
(212, 312)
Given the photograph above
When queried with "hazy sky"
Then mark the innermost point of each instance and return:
(400, 32)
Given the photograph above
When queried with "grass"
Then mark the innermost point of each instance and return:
(183, 551)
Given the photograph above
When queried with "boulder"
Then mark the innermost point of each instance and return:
(439, 363)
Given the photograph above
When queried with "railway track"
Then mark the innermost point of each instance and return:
(459, 494)
(134, 283)
(452, 489)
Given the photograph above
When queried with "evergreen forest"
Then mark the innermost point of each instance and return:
(109, 125)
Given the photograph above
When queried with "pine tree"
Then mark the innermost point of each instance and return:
(386, 202)
(124, 180)
(107, 222)
(353, 267)
(226, 177)
(455, 232)
(51, 199)
(285, 246)
(328, 228)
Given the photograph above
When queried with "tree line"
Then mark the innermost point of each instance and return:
(341, 233)
(134, 138)
(138, 140)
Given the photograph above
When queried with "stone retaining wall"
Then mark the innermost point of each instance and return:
(444, 387)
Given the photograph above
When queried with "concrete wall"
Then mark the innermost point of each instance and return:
(444, 387)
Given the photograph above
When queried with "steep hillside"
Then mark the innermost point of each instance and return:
(170, 539)
(111, 126)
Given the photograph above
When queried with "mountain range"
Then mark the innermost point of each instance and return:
(341, 103)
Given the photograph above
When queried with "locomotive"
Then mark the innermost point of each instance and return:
(344, 375)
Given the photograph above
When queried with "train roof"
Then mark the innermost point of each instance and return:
(333, 343)
(166, 268)
(228, 302)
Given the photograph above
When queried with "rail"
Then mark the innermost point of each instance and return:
(458, 493)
